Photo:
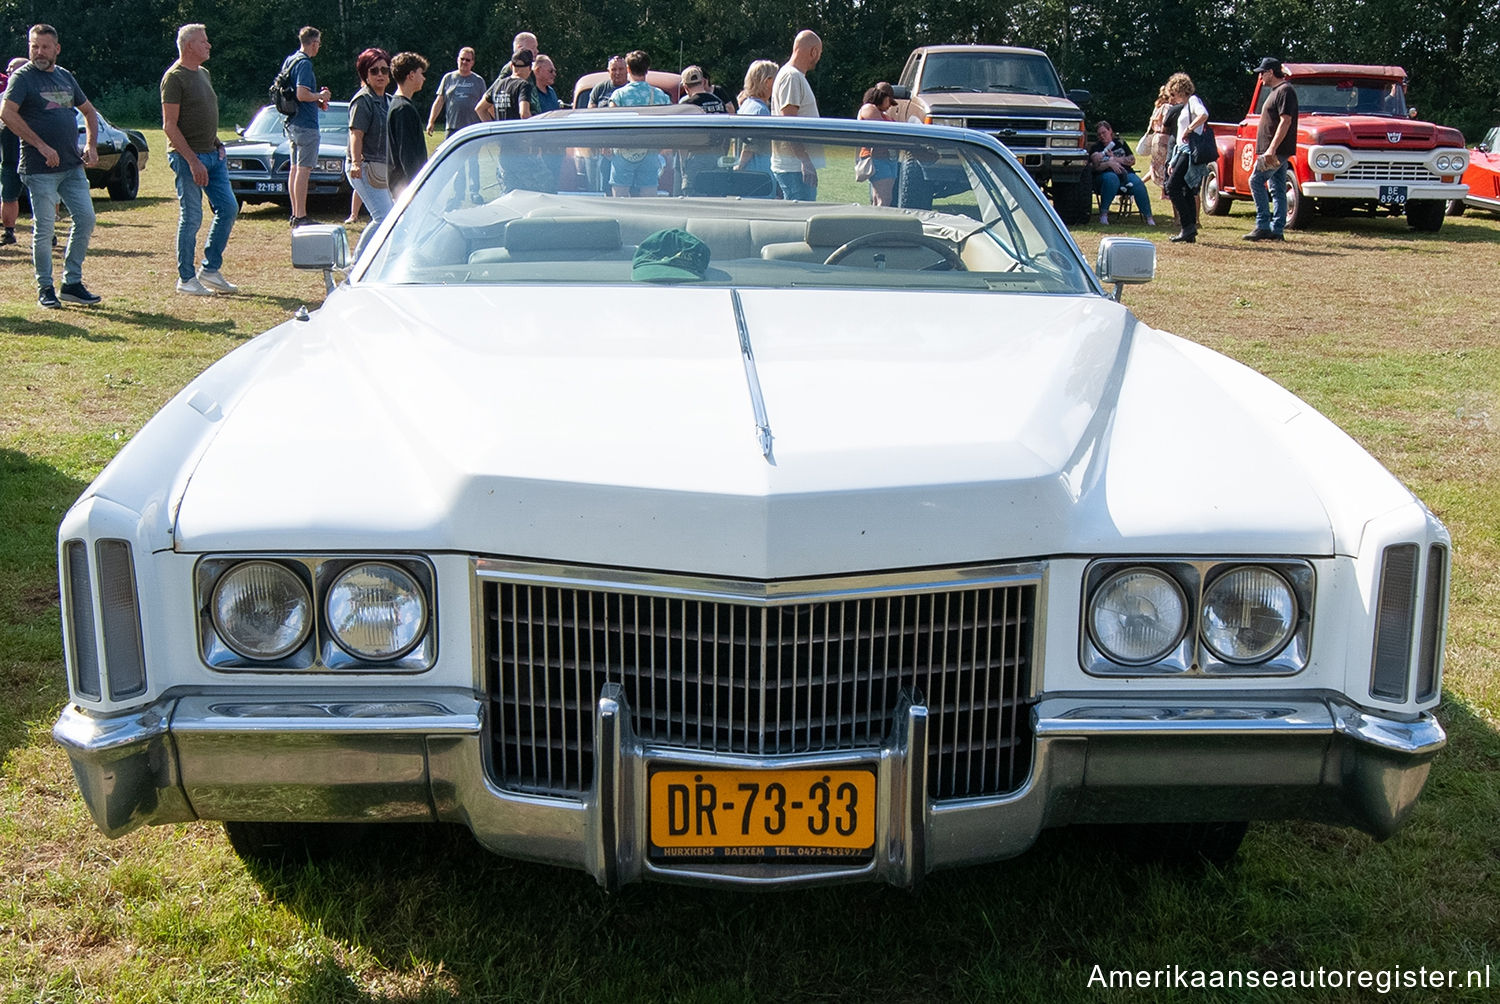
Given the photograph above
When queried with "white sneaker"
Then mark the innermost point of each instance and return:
(216, 280)
(193, 287)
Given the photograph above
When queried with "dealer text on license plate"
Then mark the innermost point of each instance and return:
(782, 815)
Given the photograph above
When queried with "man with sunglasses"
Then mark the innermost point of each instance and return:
(457, 94)
(190, 118)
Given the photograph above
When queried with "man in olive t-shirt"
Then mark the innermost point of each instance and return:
(190, 118)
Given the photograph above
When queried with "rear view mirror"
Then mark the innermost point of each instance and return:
(1125, 260)
(321, 246)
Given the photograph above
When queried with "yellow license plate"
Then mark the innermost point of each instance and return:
(787, 815)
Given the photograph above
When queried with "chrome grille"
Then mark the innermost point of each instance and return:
(759, 678)
(995, 125)
(1387, 171)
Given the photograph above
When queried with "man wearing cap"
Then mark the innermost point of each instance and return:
(1275, 143)
(695, 91)
(511, 97)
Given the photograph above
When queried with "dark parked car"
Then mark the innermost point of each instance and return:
(122, 158)
(258, 161)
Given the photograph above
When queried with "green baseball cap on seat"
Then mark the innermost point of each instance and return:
(670, 255)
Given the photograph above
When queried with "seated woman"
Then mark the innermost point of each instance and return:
(1113, 163)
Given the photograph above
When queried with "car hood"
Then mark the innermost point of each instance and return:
(260, 148)
(995, 102)
(616, 426)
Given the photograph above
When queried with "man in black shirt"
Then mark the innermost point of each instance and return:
(406, 144)
(1275, 143)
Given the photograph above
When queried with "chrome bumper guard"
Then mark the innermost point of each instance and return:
(404, 757)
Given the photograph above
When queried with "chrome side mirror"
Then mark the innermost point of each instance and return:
(1125, 260)
(323, 246)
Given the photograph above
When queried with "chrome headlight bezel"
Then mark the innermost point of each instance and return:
(412, 624)
(1215, 642)
(1193, 656)
(318, 652)
(1174, 612)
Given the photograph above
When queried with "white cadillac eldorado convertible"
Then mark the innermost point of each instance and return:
(665, 515)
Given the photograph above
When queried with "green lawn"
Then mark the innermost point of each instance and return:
(1392, 334)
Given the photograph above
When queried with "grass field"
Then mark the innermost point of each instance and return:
(1393, 334)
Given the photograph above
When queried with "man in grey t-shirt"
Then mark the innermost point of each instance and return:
(38, 106)
(457, 94)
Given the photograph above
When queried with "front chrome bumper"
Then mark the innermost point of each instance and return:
(420, 757)
(1370, 190)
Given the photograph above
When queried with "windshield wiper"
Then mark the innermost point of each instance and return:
(944, 89)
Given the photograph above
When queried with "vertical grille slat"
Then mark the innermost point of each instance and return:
(743, 677)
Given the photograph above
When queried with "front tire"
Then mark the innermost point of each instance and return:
(1299, 208)
(1456, 207)
(1073, 200)
(125, 184)
(1214, 201)
(1426, 215)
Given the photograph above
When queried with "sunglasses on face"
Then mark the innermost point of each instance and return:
(379, 69)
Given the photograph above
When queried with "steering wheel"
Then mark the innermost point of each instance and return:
(884, 238)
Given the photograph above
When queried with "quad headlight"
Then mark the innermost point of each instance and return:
(1197, 617)
(376, 611)
(262, 610)
(1137, 616)
(331, 165)
(329, 613)
(1248, 614)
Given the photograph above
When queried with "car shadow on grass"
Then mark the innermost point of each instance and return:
(33, 496)
(149, 320)
(431, 908)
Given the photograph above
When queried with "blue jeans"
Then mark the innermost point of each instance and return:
(190, 211)
(1265, 186)
(1110, 184)
(72, 188)
(377, 200)
(794, 188)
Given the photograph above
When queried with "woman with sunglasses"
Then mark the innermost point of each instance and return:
(366, 164)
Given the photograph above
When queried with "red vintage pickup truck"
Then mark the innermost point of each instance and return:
(1357, 148)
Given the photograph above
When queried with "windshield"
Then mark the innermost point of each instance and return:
(990, 73)
(269, 125)
(594, 204)
(1348, 96)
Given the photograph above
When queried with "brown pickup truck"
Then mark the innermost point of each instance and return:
(1017, 97)
(1357, 148)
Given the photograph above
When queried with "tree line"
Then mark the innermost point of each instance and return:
(1121, 51)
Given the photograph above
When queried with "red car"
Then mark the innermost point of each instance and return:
(1482, 177)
